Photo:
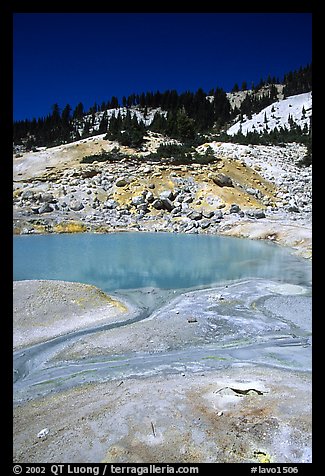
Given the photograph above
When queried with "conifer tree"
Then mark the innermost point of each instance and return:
(114, 102)
(66, 114)
(103, 124)
(79, 111)
(184, 127)
(159, 123)
(142, 100)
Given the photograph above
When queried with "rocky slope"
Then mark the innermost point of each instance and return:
(247, 187)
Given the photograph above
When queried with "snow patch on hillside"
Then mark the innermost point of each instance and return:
(140, 115)
(277, 115)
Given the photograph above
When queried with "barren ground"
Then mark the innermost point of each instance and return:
(124, 409)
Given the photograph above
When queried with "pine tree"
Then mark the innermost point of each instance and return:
(66, 123)
(129, 101)
(185, 127)
(55, 116)
(79, 111)
(66, 114)
(156, 99)
(142, 100)
(149, 99)
(221, 106)
(103, 124)
(85, 132)
(114, 102)
(132, 131)
(93, 109)
(273, 92)
(115, 125)
(159, 123)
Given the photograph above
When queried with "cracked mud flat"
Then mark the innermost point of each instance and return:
(215, 375)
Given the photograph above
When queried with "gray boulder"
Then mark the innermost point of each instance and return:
(188, 199)
(47, 198)
(27, 195)
(45, 208)
(111, 204)
(259, 214)
(218, 214)
(76, 205)
(121, 182)
(176, 211)
(167, 204)
(255, 214)
(222, 180)
(194, 215)
(150, 197)
(137, 200)
(185, 207)
(205, 224)
(234, 208)
(208, 213)
(143, 207)
(158, 204)
(293, 208)
(167, 194)
(255, 192)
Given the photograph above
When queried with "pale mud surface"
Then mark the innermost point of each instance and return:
(227, 316)
(188, 418)
(214, 375)
(279, 229)
(43, 309)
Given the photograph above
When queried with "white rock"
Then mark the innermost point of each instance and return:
(43, 433)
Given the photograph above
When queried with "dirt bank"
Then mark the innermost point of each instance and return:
(46, 309)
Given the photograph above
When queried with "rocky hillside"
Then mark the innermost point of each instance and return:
(140, 114)
(188, 116)
(236, 98)
(282, 113)
(54, 191)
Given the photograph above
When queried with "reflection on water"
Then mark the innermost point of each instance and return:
(162, 260)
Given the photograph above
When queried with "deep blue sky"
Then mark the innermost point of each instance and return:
(71, 57)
